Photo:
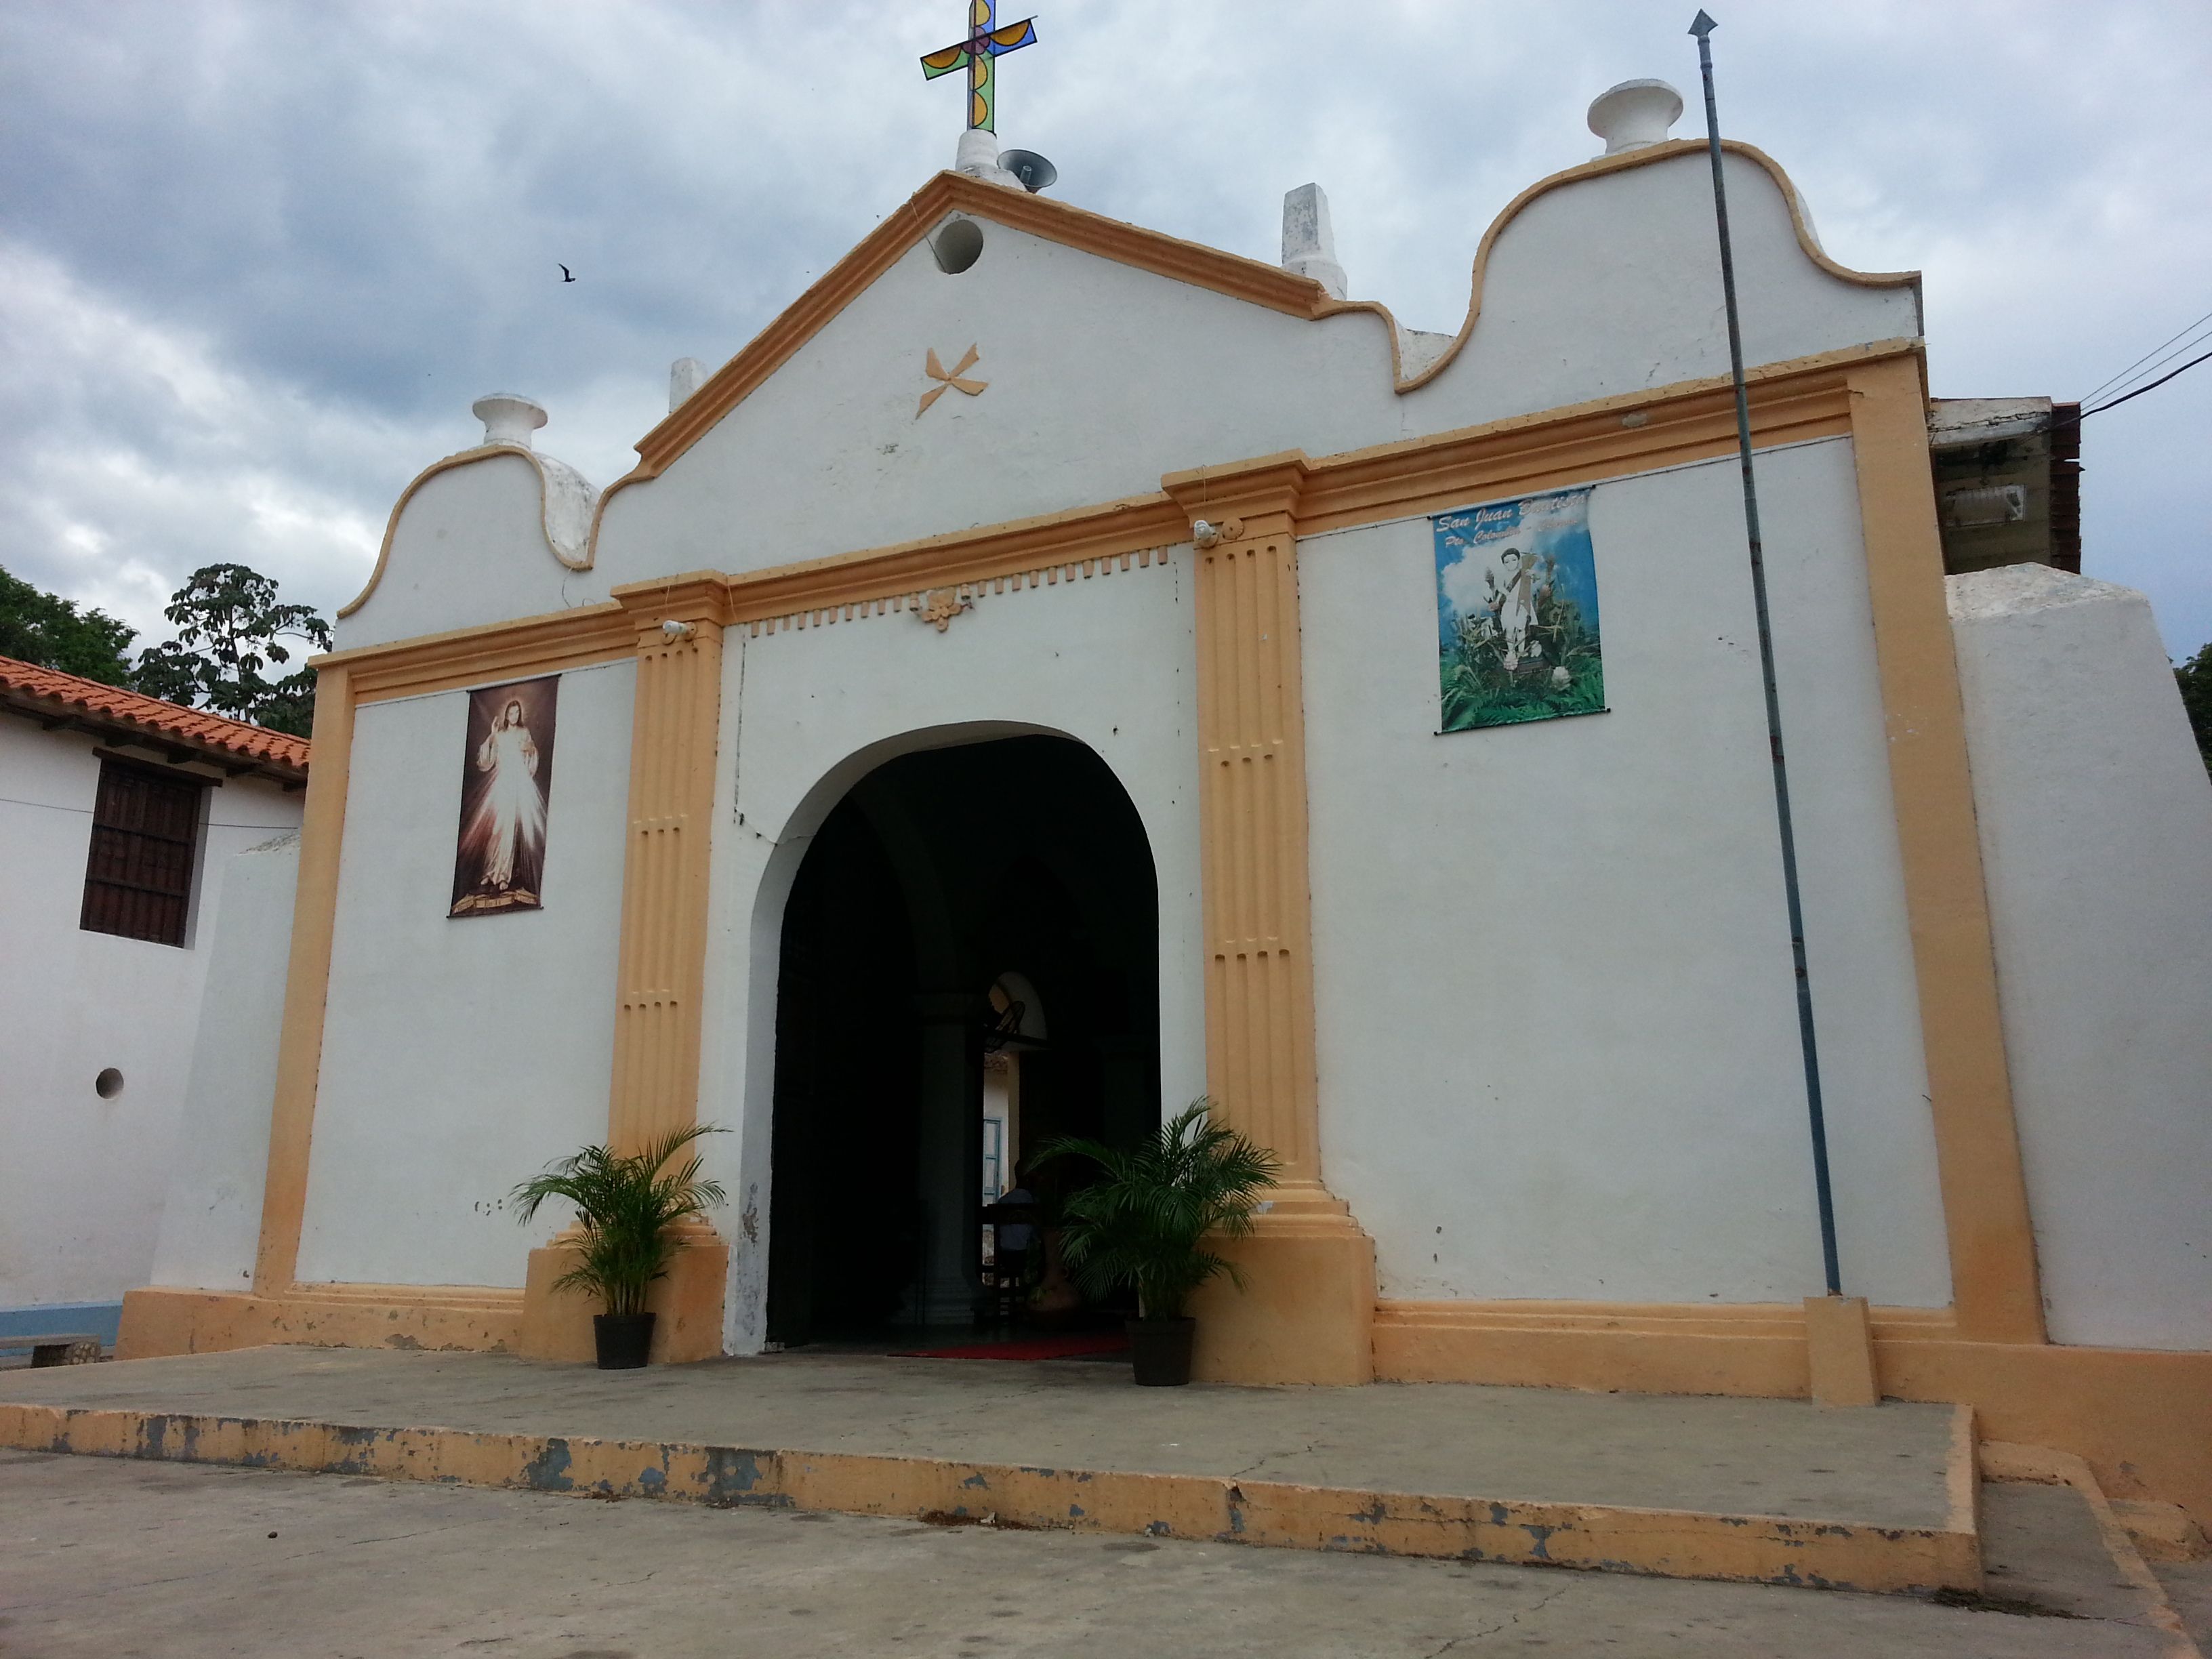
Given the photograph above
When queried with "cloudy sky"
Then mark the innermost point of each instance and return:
(257, 258)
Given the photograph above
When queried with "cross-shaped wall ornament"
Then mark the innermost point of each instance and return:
(985, 41)
(954, 381)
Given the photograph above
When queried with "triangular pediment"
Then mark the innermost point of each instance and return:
(949, 193)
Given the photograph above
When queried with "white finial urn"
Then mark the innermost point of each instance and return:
(1634, 114)
(508, 418)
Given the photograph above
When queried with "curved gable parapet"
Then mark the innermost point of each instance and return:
(1605, 279)
(471, 531)
(1417, 360)
(1598, 281)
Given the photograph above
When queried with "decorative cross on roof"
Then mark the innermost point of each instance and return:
(985, 41)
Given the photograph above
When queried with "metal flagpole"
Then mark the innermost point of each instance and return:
(1703, 28)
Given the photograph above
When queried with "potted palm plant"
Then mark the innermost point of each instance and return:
(627, 1207)
(1143, 1223)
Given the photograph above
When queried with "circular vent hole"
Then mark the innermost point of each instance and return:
(957, 246)
(108, 1083)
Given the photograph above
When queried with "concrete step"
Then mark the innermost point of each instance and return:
(1764, 1491)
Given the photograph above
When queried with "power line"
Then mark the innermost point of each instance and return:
(2190, 328)
(2139, 391)
(2189, 344)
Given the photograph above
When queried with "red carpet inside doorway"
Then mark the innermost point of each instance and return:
(1078, 1344)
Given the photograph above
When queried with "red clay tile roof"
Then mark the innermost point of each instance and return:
(36, 691)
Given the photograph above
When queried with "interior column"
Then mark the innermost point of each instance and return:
(949, 1158)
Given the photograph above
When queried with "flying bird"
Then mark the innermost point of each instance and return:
(565, 277)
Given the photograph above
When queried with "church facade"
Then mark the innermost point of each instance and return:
(1361, 727)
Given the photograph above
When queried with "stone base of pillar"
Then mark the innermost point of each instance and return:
(1306, 1313)
(1839, 1350)
(558, 1324)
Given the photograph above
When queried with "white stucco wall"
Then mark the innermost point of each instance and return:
(460, 1055)
(1101, 377)
(1557, 1018)
(2096, 830)
(211, 1222)
(1107, 661)
(82, 1179)
(1636, 1131)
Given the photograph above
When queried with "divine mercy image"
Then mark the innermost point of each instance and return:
(1516, 612)
(507, 784)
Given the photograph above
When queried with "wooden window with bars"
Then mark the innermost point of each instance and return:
(138, 877)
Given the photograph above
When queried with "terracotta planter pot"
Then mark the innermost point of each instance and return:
(623, 1339)
(1160, 1349)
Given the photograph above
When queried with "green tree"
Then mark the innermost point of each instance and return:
(2195, 677)
(49, 631)
(230, 628)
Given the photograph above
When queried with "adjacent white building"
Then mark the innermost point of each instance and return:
(120, 816)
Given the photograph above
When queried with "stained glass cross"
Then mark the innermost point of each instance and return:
(985, 41)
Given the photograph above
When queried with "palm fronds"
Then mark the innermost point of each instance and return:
(1144, 1223)
(627, 1205)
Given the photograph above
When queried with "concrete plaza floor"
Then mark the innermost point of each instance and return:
(117, 1558)
(1881, 1467)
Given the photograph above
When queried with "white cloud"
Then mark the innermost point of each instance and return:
(134, 456)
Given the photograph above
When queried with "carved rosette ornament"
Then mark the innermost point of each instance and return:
(941, 604)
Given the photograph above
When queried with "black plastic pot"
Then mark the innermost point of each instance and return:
(1160, 1349)
(623, 1339)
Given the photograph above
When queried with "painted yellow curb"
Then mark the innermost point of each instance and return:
(1668, 1543)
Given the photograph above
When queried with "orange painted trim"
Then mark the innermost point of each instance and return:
(488, 653)
(905, 570)
(1801, 401)
(453, 1318)
(1752, 1349)
(1985, 1212)
(663, 949)
(2138, 1416)
(1796, 402)
(467, 457)
(306, 986)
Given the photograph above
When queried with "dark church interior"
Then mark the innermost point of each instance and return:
(938, 873)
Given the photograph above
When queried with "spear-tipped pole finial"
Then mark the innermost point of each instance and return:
(1815, 1112)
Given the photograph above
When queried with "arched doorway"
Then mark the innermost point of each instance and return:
(940, 876)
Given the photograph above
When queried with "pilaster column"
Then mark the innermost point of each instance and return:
(663, 955)
(1306, 1310)
(306, 987)
(1994, 1283)
(663, 960)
